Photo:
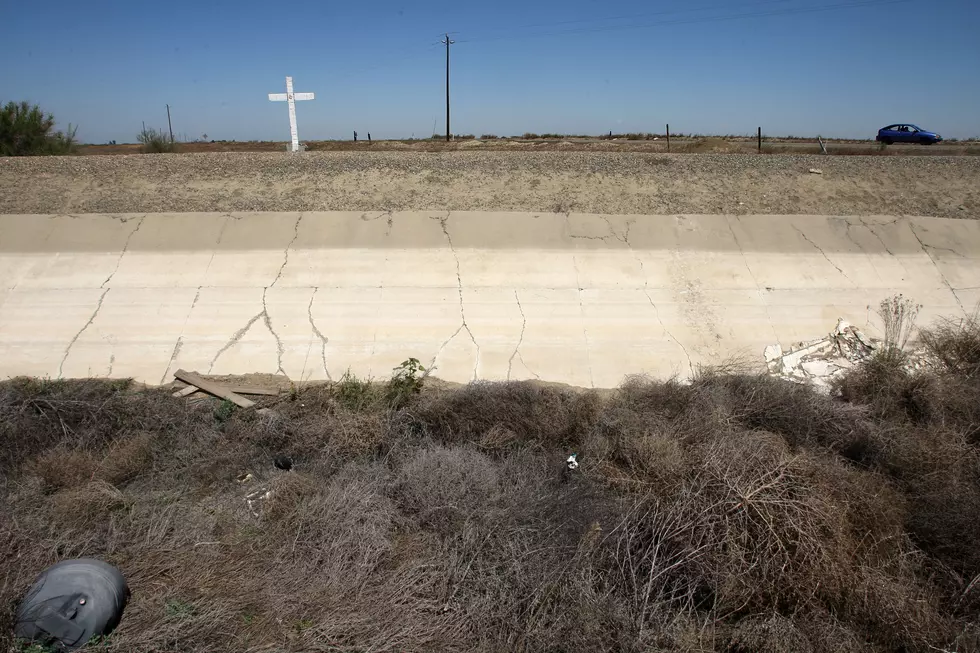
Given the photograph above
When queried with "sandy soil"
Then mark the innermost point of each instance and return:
(597, 182)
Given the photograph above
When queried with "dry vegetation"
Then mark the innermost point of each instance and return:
(737, 513)
(638, 143)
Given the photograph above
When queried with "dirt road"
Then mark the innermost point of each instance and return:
(558, 182)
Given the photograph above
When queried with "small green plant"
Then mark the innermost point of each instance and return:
(224, 411)
(303, 624)
(27, 646)
(25, 130)
(353, 393)
(406, 380)
(178, 609)
(156, 141)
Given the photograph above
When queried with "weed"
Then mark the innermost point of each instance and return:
(156, 141)
(898, 316)
(177, 609)
(353, 393)
(406, 380)
(25, 646)
(224, 411)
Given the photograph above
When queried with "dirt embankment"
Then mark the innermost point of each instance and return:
(597, 182)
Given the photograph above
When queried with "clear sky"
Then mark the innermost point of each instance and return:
(570, 66)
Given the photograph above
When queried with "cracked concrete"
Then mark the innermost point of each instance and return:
(85, 326)
(123, 253)
(462, 310)
(324, 341)
(822, 253)
(575, 298)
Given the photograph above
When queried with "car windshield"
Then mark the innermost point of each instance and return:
(915, 129)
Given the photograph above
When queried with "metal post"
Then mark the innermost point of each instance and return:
(668, 137)
(760, 140)
(170, 126)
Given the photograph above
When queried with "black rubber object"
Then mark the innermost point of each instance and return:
(72, 602)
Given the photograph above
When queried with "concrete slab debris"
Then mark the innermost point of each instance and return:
(818, 362)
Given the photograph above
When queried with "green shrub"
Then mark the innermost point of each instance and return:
(25, 130)
(156, 141)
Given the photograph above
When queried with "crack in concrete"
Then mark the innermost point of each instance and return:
(285, 256)
(646, 292)
(748, 268)
(180, 338)
(690, 362)
(581, 311)
(568, 224)
(935, 247)
(822, 253)
(98, 307)
(847, 234)
(875, 234)
(625, 238)
(238, 335)
(388, 214)
(323, 339)
(925, 250)
(520, 341)
(459, 287)
(123, 252)
(280, 349)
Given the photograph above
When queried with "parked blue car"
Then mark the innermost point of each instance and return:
(907, 133)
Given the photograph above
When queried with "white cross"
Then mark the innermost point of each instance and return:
(291, 98)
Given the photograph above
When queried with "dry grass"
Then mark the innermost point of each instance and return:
(736, 513)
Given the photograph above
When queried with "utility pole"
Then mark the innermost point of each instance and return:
(170, 126)
(448, 42)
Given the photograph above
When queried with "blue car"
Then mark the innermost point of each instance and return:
(907, 133)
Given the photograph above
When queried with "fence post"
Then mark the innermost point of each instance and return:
(668, 137)
(760, 140)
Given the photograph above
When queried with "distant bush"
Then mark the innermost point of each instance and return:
(25, 130)
(489, 137)
(156, 141)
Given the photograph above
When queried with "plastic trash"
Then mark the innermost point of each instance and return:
(72, 602)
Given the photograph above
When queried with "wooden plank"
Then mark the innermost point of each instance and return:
(183, 392)
(250, 390)
(213, 388)
(237, 389)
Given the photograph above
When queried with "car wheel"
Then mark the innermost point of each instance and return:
(926, 141)
(886, 141)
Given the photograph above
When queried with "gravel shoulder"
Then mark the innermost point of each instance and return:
(595, 182)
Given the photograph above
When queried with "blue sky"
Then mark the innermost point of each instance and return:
(576, 66)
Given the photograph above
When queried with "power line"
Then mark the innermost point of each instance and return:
(647, 14)
(694, 21)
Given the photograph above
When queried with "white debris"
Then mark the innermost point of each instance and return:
(818, 362)
(818, 368)
(255, 499)
(572, 463)
(773, 352)
(816, 171)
